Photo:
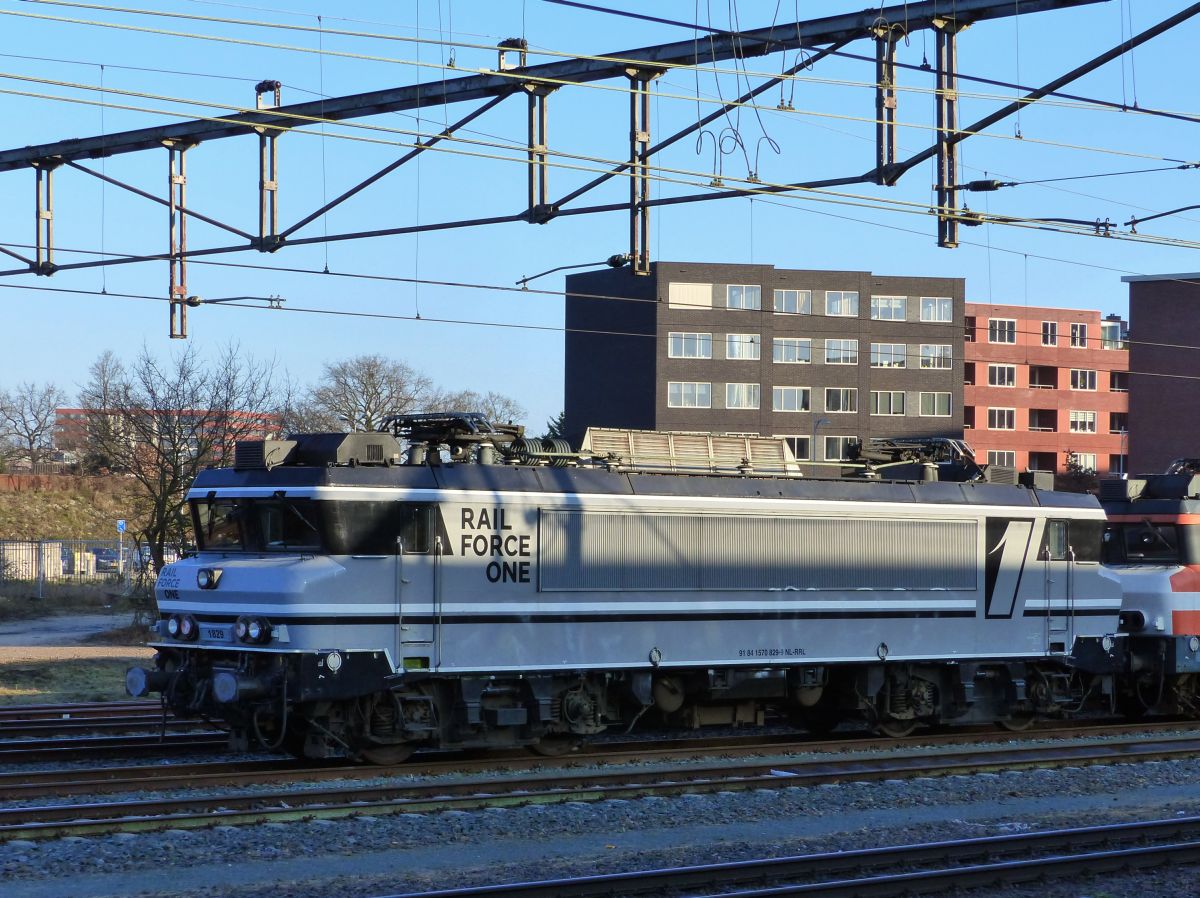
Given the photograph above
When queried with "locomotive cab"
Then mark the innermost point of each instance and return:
(1152, 546)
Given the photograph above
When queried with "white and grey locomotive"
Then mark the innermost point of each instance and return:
(452, 584)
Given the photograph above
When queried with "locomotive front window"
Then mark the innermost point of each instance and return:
(219, 524)
(1149, 542)
(286, 524)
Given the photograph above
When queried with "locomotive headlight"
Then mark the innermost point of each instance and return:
(240, 628)
(333, 661)
(208, 577)
(188, 628)
(258, 630)
(173, 623)
(1194, 644)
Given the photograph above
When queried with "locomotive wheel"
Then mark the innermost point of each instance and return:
(554, 746)
(386, 755)
(895, 728)
(1018, 721)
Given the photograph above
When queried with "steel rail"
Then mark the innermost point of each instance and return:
(108, 780)
(477, 793)
(53, 750)
(74, 709)
(1092, 850)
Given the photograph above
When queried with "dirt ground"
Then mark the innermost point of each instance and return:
(40, 659)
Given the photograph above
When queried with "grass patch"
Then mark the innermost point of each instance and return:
(69, 680)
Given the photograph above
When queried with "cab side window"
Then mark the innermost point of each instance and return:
(1055, 546)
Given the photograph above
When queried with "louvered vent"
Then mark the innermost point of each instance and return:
(249, 454)
(657, 450)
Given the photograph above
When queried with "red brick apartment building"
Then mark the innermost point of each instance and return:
(1041, 383)
(71, 426)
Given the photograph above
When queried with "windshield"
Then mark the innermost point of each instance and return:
(218, 524)
(280, 524)
(256, 525)
(1143, 542)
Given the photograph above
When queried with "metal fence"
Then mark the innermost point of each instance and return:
(73, 562)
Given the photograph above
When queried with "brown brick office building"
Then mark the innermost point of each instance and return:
(1164, 366)
(841, 355)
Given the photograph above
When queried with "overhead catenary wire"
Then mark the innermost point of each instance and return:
(656, 171)
(736, 71)
(503, 288)
(512, 142)
(425, 319)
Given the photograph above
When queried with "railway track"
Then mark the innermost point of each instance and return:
(89, 717)
(473, 793)
(21, 785)
(923, 868)
(42, 751)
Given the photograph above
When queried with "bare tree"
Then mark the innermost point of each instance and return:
(105, 374)
(27, 417)
(164, 421)
(360, 393)
(495, 407)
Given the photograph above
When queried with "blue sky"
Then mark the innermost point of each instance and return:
(828, 132)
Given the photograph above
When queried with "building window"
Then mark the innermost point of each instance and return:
(741, 395)
(1049, 333)
(1079, 336)
(889, 355)
(1118, 422)
(1118, 464)
(743, 346)
(1118, 381)
(1043, 420)
(1005, 458)
(843, 400)
(969, 374)
(798, 445)
(1110, 335)
(1002, 375)
(969, 329)
(791, 350)
(793, 302)
(887, 402)
(1002, 330)
(935, 405)
(889, 308)
(743, 296)
(1086, 461)
(838, 448)
(1083, 379)
(841, 302)
(1002, 419)
(689, 346)
(841, 352)
(937, 308)
(1083, 422)
(689, 296)
(789, 399)
(688, 394)
(1043, 461)
(935, 355)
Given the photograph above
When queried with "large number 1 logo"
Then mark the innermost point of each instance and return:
(1007, 549)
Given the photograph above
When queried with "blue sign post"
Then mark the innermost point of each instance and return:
(121, 546)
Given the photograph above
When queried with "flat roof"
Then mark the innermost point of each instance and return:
(1140, 278)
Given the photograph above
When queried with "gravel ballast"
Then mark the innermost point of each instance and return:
(377, 855)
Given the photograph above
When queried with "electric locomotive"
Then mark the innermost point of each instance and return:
(450, 583)
(1152, 545)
